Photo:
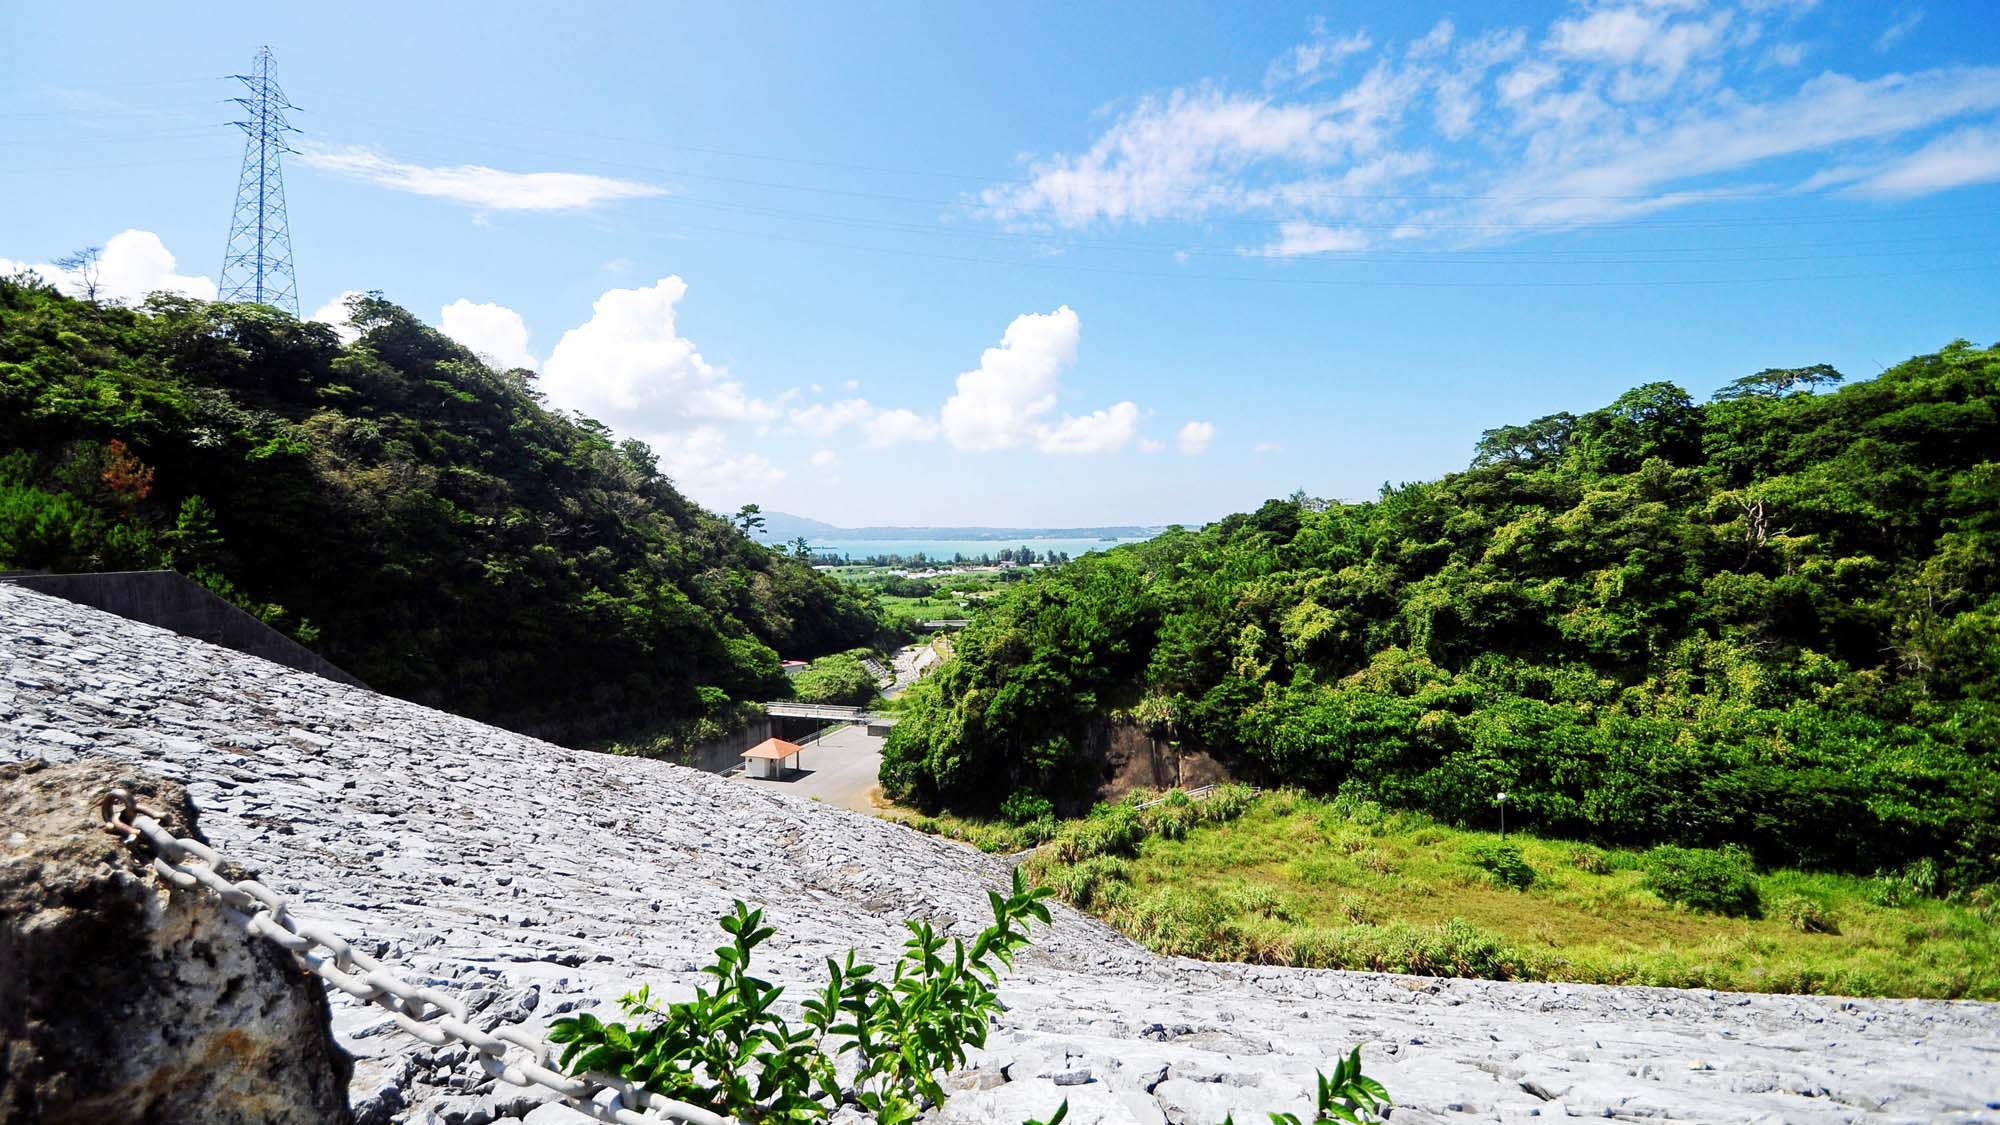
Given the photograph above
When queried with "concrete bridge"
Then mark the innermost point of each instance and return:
(829, 712)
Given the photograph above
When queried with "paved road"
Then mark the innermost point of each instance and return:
(839, 769)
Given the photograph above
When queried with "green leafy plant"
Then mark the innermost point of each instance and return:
(1709, 880)
(1503, 864)
(1025, 806)
(730, 1050)
(1347, 1095)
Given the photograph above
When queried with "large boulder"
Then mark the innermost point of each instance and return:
(125, 999)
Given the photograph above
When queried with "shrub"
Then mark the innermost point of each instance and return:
(1025, 805)
(1454, 949)
(1084, 884)
(1357, 910)
(1709, 880)
(1589, 860)
(1226, 803)
(1503, 864)
(1806, 915)
(1108, 830)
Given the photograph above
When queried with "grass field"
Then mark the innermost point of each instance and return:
(1298, 881)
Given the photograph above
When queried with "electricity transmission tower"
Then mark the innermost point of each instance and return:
(258, 264)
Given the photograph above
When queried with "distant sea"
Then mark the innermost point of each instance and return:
(944, 549)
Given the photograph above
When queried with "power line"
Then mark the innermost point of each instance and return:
(257, 265)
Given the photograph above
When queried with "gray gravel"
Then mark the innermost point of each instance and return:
(534, 880)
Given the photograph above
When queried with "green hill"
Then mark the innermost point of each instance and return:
(1772, 620)
(422, 520)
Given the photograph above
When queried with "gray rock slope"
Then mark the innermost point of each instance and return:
(534, 880)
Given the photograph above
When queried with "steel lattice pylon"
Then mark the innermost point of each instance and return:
(257, 266)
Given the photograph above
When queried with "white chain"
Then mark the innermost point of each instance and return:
(424, 1012)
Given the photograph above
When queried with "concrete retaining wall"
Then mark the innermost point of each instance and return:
(726, 753)
(172, 601)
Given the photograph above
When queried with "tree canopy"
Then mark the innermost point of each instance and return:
(426, 522)
(1772, 619)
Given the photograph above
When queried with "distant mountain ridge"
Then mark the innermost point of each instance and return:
(785, 526)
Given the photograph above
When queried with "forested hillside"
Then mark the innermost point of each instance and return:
(422, 520)
(1770, 619)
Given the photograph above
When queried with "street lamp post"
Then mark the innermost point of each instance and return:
(1503, 815)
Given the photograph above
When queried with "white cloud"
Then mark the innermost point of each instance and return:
(1148, 445)
(495, 333)
(335, 313)
(1264, 447)
(825, 459)
(1099, 431)
(1008, 399)
(851, 385)
(701, 462)
(827, 418)
(892, 426)
(1904, 22)
(1302, 239)
(629, 365)
(1968, 156)
(1611, 110)
(1194, 438)
(1643, 37)
(131, 266)
(998, 404)
(476, 185)
(1316, 59)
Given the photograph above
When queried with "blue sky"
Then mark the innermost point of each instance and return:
(1058, 263)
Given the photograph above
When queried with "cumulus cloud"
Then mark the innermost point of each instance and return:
(630, 365)
(131, 266)
(1099, 431)
(475, 185)
(1264, 447)
(998, 403)
(891, 426)
(1009, 399)
(830, 417)
(1194, 438)
(825, 459)
(702, 462)
(495, 333)
(335, 312)
(1148, 445)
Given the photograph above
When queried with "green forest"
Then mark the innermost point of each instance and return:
(424, 521)
(1770, 619)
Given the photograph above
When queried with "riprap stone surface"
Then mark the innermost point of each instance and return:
(533, 880)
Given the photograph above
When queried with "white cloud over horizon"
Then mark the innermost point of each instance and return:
(476, 185)
(1007, 400)
(335, 312)
(1614, 109)
(495, 333)
(630, 363)
(132, 265)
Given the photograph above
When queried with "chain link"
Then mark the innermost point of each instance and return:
(430, 1015)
